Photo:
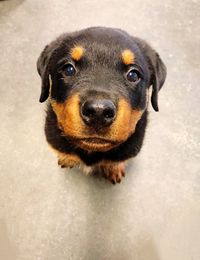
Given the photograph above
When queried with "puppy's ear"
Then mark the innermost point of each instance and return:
(43, 70)
(157, 69)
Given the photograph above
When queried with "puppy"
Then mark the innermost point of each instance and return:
(97, 82)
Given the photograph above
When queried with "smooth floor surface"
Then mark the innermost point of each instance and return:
(48, 213)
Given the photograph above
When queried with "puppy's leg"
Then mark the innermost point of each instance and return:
(113, 171)
(68, 160)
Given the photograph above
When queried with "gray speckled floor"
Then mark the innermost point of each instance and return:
(47, 213)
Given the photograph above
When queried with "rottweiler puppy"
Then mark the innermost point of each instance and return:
(97, 82)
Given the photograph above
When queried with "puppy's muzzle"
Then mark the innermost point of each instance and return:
(98, 113)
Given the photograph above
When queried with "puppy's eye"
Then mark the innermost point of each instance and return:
(69, 70)
(133, 75)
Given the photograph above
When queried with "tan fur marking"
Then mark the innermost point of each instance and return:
(69, 117)
(70, 122)
(96, 146)
(128, 57)
(126, 121)
(76, 53)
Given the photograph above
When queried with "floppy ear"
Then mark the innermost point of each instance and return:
(157, 69)
(158, 79)
(43, 70)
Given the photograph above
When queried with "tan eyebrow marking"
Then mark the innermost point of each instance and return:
(76, 53)
(128, 57)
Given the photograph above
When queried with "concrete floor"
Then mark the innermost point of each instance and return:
(48, 213)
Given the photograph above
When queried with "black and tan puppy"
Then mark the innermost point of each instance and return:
(97, 81)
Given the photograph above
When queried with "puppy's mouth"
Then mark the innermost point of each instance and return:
(96, 144)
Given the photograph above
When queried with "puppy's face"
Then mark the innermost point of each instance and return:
(98, 81)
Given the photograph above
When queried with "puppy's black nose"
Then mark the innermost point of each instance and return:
(98, 113)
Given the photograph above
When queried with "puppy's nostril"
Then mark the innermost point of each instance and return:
(89, 112)
(109, 113)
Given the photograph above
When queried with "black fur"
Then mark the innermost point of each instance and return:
(100, 73)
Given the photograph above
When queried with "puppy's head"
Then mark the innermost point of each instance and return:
(98, 81)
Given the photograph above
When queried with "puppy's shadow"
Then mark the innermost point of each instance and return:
(96, 180)
(107, 212)
(106, 209)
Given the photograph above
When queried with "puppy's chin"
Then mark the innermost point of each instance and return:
(96, 144)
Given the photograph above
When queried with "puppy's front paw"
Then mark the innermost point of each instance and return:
(114, 172)
(64, 164)
(68, 160)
